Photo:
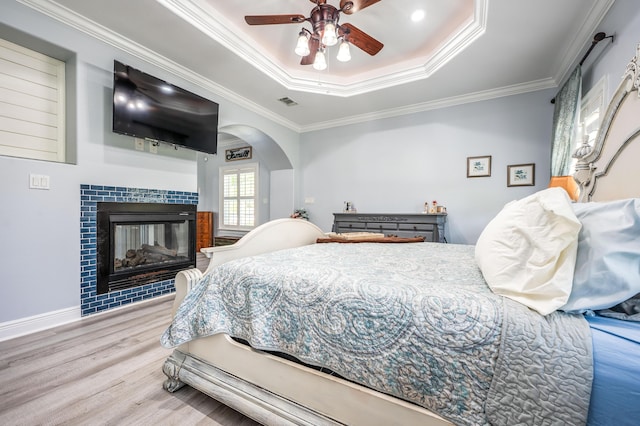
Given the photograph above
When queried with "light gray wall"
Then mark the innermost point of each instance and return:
(39, 230)
(395, 165)
(282, 195)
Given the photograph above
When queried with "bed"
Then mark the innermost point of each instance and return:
(288, 331)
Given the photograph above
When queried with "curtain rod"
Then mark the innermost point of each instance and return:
(596, 39)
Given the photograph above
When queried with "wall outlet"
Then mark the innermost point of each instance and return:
(153, 147)
(139, 144)
(309, 200)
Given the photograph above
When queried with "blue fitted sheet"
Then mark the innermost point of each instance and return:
(615, 395)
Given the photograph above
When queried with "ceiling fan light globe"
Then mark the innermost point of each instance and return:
(302, 47)
(344, 54)
(329, 37)
(320, 62)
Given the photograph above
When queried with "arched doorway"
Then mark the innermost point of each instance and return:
(276, 170)
(271, 153)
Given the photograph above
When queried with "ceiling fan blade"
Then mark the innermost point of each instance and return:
(362, 40)
(356, 5)
(273, 19)
(314, 44)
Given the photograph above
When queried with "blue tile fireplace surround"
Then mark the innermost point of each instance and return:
(90, 301)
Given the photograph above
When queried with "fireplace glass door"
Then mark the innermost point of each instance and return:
(149, 244)
(140, 243)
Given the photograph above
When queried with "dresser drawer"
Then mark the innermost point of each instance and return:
(428, 235)
(417, 227)
(382, 226)
(350, 226)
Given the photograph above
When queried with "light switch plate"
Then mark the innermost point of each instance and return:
(39, 181)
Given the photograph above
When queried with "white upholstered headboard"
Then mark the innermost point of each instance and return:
(611, 169)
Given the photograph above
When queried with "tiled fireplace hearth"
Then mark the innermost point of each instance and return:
(90, 195)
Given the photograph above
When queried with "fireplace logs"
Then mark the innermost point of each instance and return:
(147, 255)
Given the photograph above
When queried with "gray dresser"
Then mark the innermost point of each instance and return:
(430, 226)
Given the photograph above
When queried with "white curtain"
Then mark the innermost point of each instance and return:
(565, 123)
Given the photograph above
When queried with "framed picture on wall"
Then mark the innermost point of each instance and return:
(235, 154)
(479, 166)
(521, 175)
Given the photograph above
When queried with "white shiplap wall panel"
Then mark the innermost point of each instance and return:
(14, 86)
(32, 115)
(29, 128)
(22, 141)
(31, 104)
(21, 99)
(36, 77)
(28, 58)
(27, 147)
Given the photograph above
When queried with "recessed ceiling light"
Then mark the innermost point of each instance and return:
(417, 16)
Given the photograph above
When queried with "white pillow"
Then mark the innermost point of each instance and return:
(528, 251)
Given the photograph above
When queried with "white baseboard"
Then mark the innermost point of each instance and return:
(20, 327)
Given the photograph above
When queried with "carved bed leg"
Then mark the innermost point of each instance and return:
(171, 368)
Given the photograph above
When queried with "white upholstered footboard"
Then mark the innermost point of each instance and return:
(275, 235)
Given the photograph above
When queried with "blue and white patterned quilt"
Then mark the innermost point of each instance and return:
(416, 321)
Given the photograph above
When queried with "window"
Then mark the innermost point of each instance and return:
(591, 113)
(32, 104)
(239, 196)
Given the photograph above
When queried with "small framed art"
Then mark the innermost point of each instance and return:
(479, 166)
(521, 175)
(236, 154)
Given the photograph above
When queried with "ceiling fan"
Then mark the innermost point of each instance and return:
(326, 31)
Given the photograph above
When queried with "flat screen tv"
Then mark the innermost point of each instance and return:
(147, 107)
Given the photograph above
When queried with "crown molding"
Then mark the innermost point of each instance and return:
(99, 32)
(436, 104)
(201, 15)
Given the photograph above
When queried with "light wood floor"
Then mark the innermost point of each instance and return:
(105, 369)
